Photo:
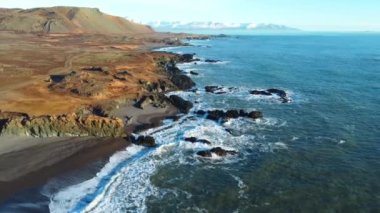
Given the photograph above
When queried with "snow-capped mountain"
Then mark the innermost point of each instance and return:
(164, 25)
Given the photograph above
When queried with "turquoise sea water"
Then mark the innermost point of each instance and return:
(318, 153)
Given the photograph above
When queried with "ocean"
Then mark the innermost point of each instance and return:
(318, 153)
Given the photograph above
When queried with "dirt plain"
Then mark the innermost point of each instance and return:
(28, 62)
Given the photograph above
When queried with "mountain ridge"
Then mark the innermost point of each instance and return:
(62, 19)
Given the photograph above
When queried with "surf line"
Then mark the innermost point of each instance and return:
(106, 180)
(103, 183)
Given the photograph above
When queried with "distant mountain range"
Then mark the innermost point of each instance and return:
(165, 25)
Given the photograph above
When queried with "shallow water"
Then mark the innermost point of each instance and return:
(318, 153)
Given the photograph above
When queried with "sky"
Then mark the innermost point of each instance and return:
(313, 15)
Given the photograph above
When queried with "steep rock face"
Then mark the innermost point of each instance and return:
(66, 20)
(182, 105)
(62, 125)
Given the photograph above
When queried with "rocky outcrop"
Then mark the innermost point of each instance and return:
(147, 141)
(61, 125)
(142, 102)
(280, 93)
(182, 105)
(158, 100)
(96, 69)
(218, 151)
(196, 140)
(183, 82)
(176, 76)
(156, 87)
(260, 92)
(219, 89)
(187, 58)
(221, 115)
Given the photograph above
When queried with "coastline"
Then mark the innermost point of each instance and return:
(27, 162)
(49, 157)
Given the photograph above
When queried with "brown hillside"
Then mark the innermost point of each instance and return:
(66, 20)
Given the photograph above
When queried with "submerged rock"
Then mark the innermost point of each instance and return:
(281, 93)
(255, 115)
(182, 105)
(212, 89)
(219, 89)
(218, 151)
(217, 115)
(193, 73)
(196, 140)
(212, 61)
(260, 92)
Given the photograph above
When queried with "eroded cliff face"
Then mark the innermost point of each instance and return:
(62, 125)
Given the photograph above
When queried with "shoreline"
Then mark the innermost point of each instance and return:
(49, 157)
(52, 156)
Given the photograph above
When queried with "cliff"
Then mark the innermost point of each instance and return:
(67, 20)
(62, 125)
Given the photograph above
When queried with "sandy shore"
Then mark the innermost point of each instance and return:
(27, 161)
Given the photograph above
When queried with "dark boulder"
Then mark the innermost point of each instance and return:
(205, 153)
(182, 105)
(193, 73)
(260, 92)
(215, 115)
(204, 141)
(220, 92)
(211, 61)
(142, 102)
(191, 139)
(255, 115)
(147, 141)
(219, 89)
(196, 140)
(278, 92)
(222, 152)
(186, 57)
(183, 82)
(233, 113)
(172, 69)
(281, 93)
(201, 112)
(218, 151)
(243, 113)
(212, 89)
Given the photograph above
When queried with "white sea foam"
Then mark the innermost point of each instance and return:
(342, 142)
(124, 183)
(241, 185)
(68, 198)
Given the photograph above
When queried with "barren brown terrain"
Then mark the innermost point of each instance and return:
(29, 62)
